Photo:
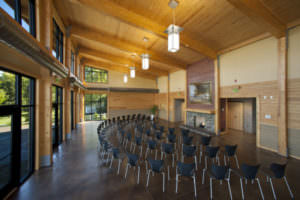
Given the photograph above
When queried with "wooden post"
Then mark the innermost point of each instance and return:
(44, 23)
(168, 99)
(282, 97)
(67, 91)
(217, 95)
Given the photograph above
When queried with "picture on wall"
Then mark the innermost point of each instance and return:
(200, 92)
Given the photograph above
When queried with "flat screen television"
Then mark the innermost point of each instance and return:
(200, 92)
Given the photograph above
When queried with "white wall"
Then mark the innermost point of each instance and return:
(294, 53)
(162, 84)
(178, 81)
(253, 63)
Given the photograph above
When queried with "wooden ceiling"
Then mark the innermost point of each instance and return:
(113, 30)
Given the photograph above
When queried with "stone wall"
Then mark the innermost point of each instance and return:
(209, 120)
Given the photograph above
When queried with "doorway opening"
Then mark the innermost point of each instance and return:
(57, 116)
(238, 114)
(178, 110)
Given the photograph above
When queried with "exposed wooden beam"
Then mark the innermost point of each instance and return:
(256, 10)
(80, 32)
(115, 67)
(120, 60)
(144, 23)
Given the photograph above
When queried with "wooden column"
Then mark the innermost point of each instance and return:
(282, 97)
(81, 106)
(67, 90)
(44, 23)
(168, 99)
(43, 122)
(217, 95)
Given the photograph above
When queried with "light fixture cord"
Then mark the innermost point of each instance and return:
(173, 15)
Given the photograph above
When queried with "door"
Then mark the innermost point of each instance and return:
(236, 115)
(178, 110)
(57, 116)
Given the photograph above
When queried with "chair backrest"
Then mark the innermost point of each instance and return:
(161, 128)
(138, 140)
(187, 140)
(172, 138)
(116, 152)
(128, 136)
(156, 165)
(171, 131)
(278, 169)
(205, 140)
(212, 151)
(152, 144)
(122, 133)
(230, 149)
(148, 132)
(168, 148)
(186, 169)
(154, 126)
(105, 145)
(158, 135)
(249, 171)
(219, 172)
(189, 150)
(132, 159)
(185, 132)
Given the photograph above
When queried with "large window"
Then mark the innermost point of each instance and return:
(16, 129)
(95, 106)
(93, 75)
(23, 11)
(57, 116)
(72, 62)
(58, 42)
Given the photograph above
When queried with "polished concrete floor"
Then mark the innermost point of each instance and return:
(77, 174)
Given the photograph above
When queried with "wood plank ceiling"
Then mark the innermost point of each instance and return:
(112, 31)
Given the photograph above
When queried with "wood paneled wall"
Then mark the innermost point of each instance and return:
(294, 104)
(130, 101)
(201, 72)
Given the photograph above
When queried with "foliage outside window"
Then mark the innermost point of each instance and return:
(58, 42)
(93, 75)
(23, 11)
(95, 106)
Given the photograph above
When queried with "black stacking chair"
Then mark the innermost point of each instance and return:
(116, 156)
(168, 149)
(133, 161)
(172, 139)
(187, 140)
(162, 128)
(212, 154)
(149, 118)
(187, 170)
(138, 142)
(150, 147)
(128, 118)
(189, 151)
(128, 140)
(249, 172)
(277, 171)
(156, 166)
(205, 141)
(184, 133)
(158, 135)
(133, 117)
(124, 118)
(171, 131)
(219, 173)
(138, 116)
(148, 133)
(143, 118)
(230, 152)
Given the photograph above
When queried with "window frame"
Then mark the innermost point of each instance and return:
(58, 39)
(93, 71)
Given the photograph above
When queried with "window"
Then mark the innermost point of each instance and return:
(57, 116)
(93, 75)
(17, 119)
(72, 62)
(58, 42)
(23, 11)
(95, 106)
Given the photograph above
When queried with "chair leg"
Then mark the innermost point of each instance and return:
(126, 170)
(141, 151)
(146, 153)
(200, 156)
(111, 161)
(176, 190)
(163, 181)
(196, 166)
(119, 166)
(288, 186)
(210, 189)
(272, 187)
(148, 176)
(229, 189)
(242, 189)
(134, 148)
(161, 155)
(138, 178)
(225, 160)
(173, 159)
(203, 175)
(168, 173)
(195, 188)
(205, 162)
(261, 192)
(155, 154)
(237, 162)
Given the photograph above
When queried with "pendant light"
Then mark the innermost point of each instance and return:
(125, 78)
(145, 58)
(132, 72)
(173, 31)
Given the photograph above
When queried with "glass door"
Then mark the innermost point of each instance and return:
(57, 116)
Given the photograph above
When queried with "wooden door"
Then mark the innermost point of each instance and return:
(236, 115)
